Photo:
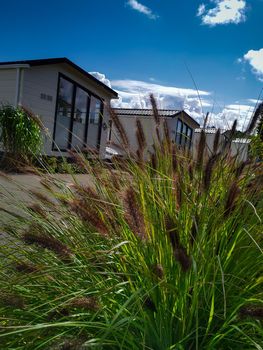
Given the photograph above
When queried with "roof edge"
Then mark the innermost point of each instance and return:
(60, 60)
(176, 112)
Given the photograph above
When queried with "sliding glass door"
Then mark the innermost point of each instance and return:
(64, 113)
(94, 123)
(78, 117)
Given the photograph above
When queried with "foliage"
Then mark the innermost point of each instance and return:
(20, 133)
(256, 147)
(260, 128)
(59, 165)
(163, 254)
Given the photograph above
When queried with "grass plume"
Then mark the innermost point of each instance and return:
(159, 255)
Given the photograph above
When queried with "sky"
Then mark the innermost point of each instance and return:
(198, 55)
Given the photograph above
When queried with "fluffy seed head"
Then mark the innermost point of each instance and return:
(139, 157)
(133, 214)
(172, 232)
(90, 215)
(12, 300)
(206, 120)
(183, 258)
(26, 267)
(216, 141)
(231, 199)
(155, 109)
(201, 149)
(88, 303)
(233, 130)
(158, 134)
(239, 170)
(174, 159)
(167, 134)
(141, 140)
(149, 304)
(251, 311)
(72, 345)
(48, 242)
(120, 129)
(154, 161)
(41, 197)
(36, 208)
(208, 171)
(158, 270)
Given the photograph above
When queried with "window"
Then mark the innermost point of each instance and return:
(64, 109)
(95, 111)
(78, 117)
(189, 137)
(184, 134)
(95, 116)
(178, 132)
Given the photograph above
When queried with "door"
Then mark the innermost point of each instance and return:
(79, 119)
(94, 123)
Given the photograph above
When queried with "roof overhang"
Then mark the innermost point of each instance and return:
(61, 60)
(13, 66)
(197, 125)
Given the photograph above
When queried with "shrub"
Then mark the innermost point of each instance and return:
(163, 254)
(20, 133)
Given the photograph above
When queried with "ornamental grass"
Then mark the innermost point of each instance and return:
(159, 252)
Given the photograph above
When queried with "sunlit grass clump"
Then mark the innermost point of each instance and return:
(158, 254)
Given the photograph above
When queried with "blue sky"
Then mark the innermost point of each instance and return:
(169, 47)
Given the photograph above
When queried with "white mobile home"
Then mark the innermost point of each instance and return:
(72, 104)
(239, 146)
(180, 125)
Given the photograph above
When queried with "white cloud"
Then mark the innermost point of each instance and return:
(137, 86)
(137, 6)
(101, 77)
(135, 94)
(239, 108)
(224, 12)
(253, 101)
(255, 59)
(201, 10)
(225, 118)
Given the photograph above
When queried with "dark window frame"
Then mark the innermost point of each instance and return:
(179, 132)
(187, 140)
(75, 85)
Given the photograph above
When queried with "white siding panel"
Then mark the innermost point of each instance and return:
(7, 86)
(149, 127)
(129, 124)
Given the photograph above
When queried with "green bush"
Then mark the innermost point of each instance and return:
(20, 133)
(164, 254)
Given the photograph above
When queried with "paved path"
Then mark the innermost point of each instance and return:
(17, 188)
